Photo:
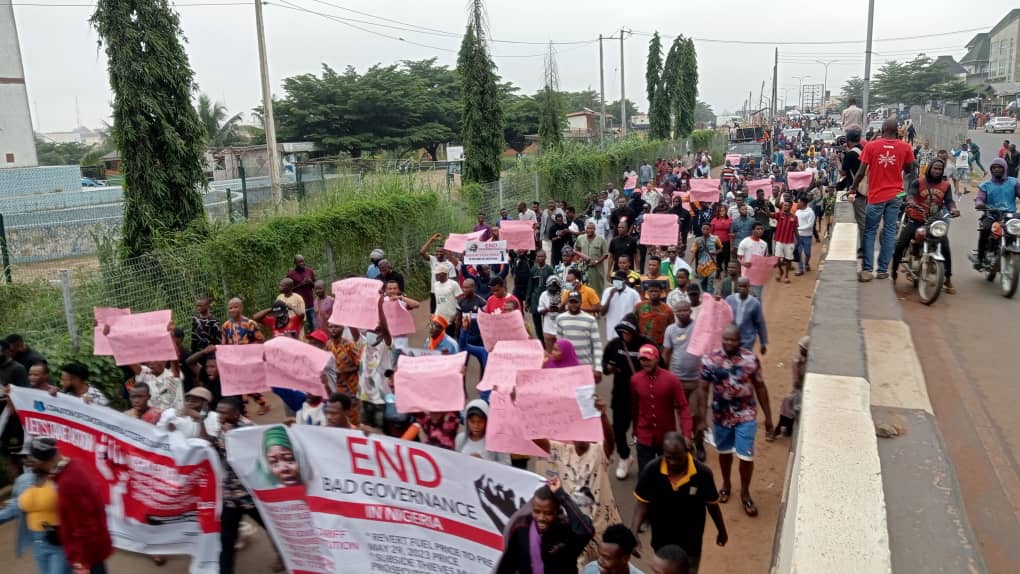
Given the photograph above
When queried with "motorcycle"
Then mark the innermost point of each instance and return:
(1003, 251)
(923, 262)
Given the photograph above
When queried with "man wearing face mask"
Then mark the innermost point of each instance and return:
(590, 302)
(550, 305)
(618, 300)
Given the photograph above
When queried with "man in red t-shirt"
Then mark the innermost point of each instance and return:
(884, 162)
(499, 297)
(784, 238)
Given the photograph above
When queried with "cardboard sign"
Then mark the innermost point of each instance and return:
(104, 316)
(660, 229)
(508, 357)
(518, 234)
(141, 337)
(242, 369)
(496, 327)
(547, 404)
(356, 303)
(292, 364)
(430, 384)
(399, 320)
(760, 270)
(800, 179)
(456, 242)
(713, 318)
(705, 190)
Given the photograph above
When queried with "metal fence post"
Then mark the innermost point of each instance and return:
(538, 189)
(230, 207)
(244, 187)
(5, 255)
(500, 186)
(65, 290)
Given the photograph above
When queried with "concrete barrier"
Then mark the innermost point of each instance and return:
(855, 503)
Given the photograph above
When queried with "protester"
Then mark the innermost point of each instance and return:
(852, 115)
(735, 376)
(721, 229)
(789, 411)
(39, 508)
(671, 559)
(614, 552)
(618, 300)
(673, 263)
(653, 313)
(931, 194)
(140, 408)
(295, 300)
(582, 330)
(687, 368)
(590, 302)
(999, 192)
(561, 355)
(748, 316)
(546, 535)
(593, 249)
(471, 440)
(12, 373)
(438, 340)
(165, 383)
(674, 492)
(435, 260)
(785, 241)
(446, 293)
(805, 227)
(653, 264)
(624, 264)
(497, 301)
(21, 352)
(281, 319)
(374, 258)
(706, 247)
(39, 377)
(729, 282)
(323, 305)
(623, 244)
(435, 429)
(67, 496)
(620, 360)
(537, 281)
(74, 380)
(387, 274)
(196, 412)
(655, 395)
(470, 338)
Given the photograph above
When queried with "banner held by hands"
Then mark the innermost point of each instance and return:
(356, 303)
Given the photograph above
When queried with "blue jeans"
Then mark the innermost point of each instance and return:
(804, 258)
(886, 214)
(49, 559)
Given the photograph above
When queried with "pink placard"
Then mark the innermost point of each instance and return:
(496, 327)
(518, 234)
(763, 184)
(508, 357)
(399, 320)
(800, 179)
(356, 303)
(714, 316)
(430, 384)
(456, 242)
(733, 158)
(547, 403)
(242, 369)
(104, 316)
(760, 270)
(705, 190)
(660, 229)
(141, 337)
(504, 432)
(293, 364)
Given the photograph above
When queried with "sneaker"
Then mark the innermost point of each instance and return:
(623, 468)
(864, 276)
(882, 275)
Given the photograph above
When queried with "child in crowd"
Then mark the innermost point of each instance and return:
(790, 410)
(471, 440)
(312, 412)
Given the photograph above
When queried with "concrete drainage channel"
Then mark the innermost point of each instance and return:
(854, 502)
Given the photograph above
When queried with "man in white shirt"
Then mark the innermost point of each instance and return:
(805, 235)
(195, 414)
(165, 384)
(749, 247)
(852, 115)
(617, 300)
(525, 214)
(447, 293)
(440, 257)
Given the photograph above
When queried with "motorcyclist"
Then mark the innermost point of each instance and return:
(929, 195)
(999, 192)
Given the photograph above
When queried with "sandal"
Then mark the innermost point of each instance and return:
(787, 280)
(724, 495)
(749, 508)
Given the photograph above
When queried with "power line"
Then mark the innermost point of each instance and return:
(68, 5)
(824, 42)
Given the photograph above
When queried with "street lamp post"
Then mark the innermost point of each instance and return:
(800, 91)
(825, 82)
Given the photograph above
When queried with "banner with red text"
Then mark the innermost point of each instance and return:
(335, 500)
(162, 491)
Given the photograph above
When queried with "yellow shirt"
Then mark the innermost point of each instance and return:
(589, 298)
(295, 302)
(39, 503)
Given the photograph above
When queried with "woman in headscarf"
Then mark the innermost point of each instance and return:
(280, 461)
(562, 354)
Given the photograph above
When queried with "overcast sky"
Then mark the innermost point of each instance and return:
(62, 60)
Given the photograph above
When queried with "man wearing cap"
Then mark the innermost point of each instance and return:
(582, 330)
(334, 372)
(735, 375)
(656, 399)
(618, 300)
(374, 258)
(440, 257)
(26, 538)
(194, 414)
(84, 535)
(438, 340)
(620, 360)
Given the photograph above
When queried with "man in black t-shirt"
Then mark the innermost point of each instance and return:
(623, 244)
(847, 172)
(470, 339)
(673, 493)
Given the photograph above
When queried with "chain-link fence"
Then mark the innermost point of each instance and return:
(939, 131)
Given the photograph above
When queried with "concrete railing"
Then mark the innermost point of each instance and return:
(855, 503)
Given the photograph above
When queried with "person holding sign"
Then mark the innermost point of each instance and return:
(582, 330)
(547, 535)
(438, 340)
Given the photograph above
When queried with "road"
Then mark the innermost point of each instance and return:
(967, 344)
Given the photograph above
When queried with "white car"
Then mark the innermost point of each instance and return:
(1000, 124)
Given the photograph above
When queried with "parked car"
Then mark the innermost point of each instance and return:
(828, 137)
(1001, 124)
(89, 182)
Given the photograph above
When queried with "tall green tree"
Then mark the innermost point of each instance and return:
(688, 88)
(54, 153)
(653, 68)
(703, 114)
(552, 118)
(671, 78)
(156, 129)
(521, 117)
(482, 119)
(220, 130)
(853, 88)
(658, 95)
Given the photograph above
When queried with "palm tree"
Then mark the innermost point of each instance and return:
(221, 130)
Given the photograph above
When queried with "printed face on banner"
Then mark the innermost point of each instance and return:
(242, 369)
(356, 303)
(160, 493)
(104, 316)
(430, 384)
(141, 337)
(518, 234)
(398, 319)
(378, 501)
(292, 364)
(705, 190)
(547, 404)
(501, 327)
(760, 270)
(508, 357)
(456, 242)
(713, 318)
(660, 229)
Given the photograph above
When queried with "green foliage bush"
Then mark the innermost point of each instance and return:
(702, 140)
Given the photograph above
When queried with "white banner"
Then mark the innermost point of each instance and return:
(162, 491)
(485, 253)
(337, 501)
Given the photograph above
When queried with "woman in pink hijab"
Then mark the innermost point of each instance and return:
(562, 355)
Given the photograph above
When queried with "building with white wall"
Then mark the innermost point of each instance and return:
(1003, 65)
(17, 139)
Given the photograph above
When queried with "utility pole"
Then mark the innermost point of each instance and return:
(775, 86)
(267, 111)
(825, 82)
(747, 108)
(623, 88)
(800, 91)
(602, 96)
(867, 59)
(761, 96)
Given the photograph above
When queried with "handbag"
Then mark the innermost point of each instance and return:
(51, 534)
(705, 268)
